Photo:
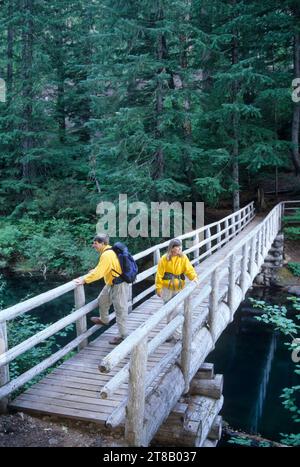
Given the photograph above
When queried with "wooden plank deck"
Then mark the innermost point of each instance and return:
(72, 390)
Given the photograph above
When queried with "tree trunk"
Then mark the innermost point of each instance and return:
(60, 103)
(27, 91)
(10, 43)
(188, 168)
(159, 156)
(296, 112)
(161, 53)
(235, 125)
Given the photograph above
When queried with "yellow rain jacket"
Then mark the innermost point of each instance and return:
(176, 265)
(108, 263)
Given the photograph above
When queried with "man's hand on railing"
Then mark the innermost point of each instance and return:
(79, 281)
(158, 292)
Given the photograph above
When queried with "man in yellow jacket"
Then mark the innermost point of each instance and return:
(117, 294)
(171, 271)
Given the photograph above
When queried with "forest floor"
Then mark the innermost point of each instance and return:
(23, 430)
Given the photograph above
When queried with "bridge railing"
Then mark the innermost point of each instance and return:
(250, 253)
(205, 241)
(215, 236)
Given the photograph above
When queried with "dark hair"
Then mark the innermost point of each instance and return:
(102, 238)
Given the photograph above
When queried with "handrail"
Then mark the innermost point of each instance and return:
(254, 248)
(234, 222)
(125, 347)
(28, 305)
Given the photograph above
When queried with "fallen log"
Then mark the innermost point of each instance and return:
(255, 440)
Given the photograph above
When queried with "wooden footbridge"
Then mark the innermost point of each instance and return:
(137, 384)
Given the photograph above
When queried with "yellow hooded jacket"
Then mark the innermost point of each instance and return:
(176, 265)
(107, 263)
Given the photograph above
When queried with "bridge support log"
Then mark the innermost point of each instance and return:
(208, 387)
(194, 421)
(199, 423)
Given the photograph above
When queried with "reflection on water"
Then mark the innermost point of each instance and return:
(257, 409)
(256, 366)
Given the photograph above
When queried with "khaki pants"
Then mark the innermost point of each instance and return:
(116, 295)
(166, 295)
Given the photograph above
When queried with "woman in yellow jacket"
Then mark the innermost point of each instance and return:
(171, 271)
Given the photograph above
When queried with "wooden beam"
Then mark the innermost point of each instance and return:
(81, 323)
(187, 336)
(4, 370)
(134, 427)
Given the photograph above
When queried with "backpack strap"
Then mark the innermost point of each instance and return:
(113, 270)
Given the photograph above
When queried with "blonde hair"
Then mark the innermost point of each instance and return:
(172, 244)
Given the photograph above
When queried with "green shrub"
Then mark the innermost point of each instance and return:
(53, 245)
(293, 218)
(292, 233)
(294, 268)
(9, 243)
(277, 316)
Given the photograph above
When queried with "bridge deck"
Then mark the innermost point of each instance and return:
(72, 389)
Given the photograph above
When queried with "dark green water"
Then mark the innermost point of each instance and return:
(256, 366)
(252, 357)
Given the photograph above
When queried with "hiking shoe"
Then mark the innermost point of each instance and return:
(116, 340)
(98, 321)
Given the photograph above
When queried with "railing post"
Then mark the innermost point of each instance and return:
(239, 225)
(231, 286)
(187, 334)
(4, 370)
(268, 231)
(244, 266)
(226, 230)
(196, 253)
(156, 256)
(214, 302)
(81, 324)
(281, 215)
(244, 216)
(208, 244)
(265, 242)
(130, 298)
(134, 426)
(252, 256)
(233, 226)
(252, 209)
(219, 236)
(262, 241)
(259, 248)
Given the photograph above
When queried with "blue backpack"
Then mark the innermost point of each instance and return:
(127, 263)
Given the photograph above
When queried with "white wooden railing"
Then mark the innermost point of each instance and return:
(215, 236)
(225, 229)
(240, 270)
